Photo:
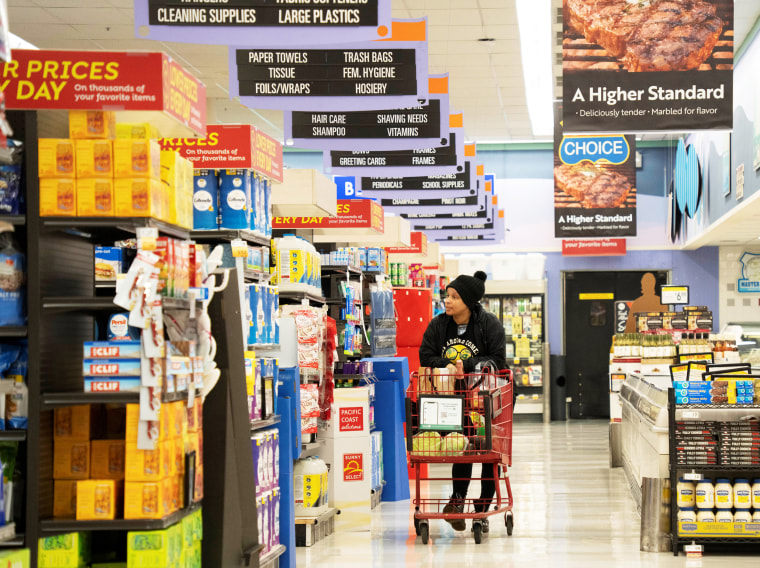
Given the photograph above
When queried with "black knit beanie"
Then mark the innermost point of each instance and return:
(470, 288)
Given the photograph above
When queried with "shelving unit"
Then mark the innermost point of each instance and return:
(13, 332)
(265, 423)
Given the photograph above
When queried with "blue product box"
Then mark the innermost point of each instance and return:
(120, 330)
(256, 220)
(374, 258)
(112, 350)
(255, 259)
(276, 323)
(234, 199)
(253, 299)
(112, 368)
(111, 384)
(267, 193)
(205, 200)
(109, 262)
(265, 336)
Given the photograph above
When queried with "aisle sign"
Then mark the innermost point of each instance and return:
(272, 23)
(352, 214)
(366, 76)
(419, 126)
(436, 183)
(469, 204)
(103, 80)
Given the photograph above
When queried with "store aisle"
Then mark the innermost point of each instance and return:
(571, 510)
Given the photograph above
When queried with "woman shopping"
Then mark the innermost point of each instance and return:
(460, 340)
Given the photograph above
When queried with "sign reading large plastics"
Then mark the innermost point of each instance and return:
(643, 66)
(103, 80)
(434, 160)
(415, 127)
(594, 185)
(368, 76)
(273, 23)
(352, 214)
(231, 146)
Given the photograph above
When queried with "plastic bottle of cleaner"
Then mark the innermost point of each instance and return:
(310, 493)
(291, 264)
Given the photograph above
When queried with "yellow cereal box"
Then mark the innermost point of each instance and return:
(92, 124)
(95, 197)
(71, 459)
(107, 459)
(96, 499)
(94, 158)
(65, 498)
(147, 499)
(137, 157)
(58, 196)
(57, 157)
(137, 197)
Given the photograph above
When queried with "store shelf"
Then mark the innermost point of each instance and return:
(229, 235)
(269, 559)
(529, 406)
(328, 268)
(12, 436)
(716, 413)
(13, 219)
(308, 450)
(524, 361)
(310, 530)
(713, 467)
(13, 331)
(266, 423)
(264, 347)
(50, 527)
(57, 399)
(298, 296)
(16, 542)
(376, 495)
(90, 226)
(78, 303)
(105, 285)
(256, 275)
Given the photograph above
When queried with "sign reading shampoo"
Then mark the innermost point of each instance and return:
(645, 66)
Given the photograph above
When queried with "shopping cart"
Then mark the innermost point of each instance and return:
(475, 406)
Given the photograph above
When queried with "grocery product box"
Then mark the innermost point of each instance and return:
(64, 498)
(15, 558)
(72, 422)
(112, 350)
(95, 197)
(350, 479)
(137, 158)
(57, 158)
(58, 197)
(94, 158)
(109, 262)
(136, 130)
(350, 412)
(112, 367)
(144, 465)
(92, 124)
(71, 459)
(97, 499)
(137, 197)
(107, 459)
(147, 499)
(70, 550)
(152, 549)
(111, 384)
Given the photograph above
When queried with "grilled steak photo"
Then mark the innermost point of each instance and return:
(592, 186)
(648, 35)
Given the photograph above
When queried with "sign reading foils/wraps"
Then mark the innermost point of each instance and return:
(272, 23)
(446, 159)
(103, 80)
(418, 245)
(414, 127)
(362, 76)
(662, 70)
(594, 184)
(231, 146)
(352, 214)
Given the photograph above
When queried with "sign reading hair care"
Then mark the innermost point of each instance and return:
(352, 214)
(274, 23)
(367, 76)
(103, 80)
(649, 67)
(594, 184)
(414, 127)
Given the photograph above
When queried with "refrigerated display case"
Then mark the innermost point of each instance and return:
(520, 305)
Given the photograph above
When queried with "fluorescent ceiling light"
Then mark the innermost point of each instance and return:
(20, 43)
(534, 19)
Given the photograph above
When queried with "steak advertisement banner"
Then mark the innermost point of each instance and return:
(594, 184)
(647, 65)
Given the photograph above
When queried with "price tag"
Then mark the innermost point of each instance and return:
(693, 550)
(693, 476)
(239, 248)
(517, 361)
(690, 414)
(531, 361)
(535, 337)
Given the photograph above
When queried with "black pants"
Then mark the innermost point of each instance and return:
(461, 474)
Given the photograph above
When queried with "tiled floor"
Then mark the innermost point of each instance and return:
(571, 510)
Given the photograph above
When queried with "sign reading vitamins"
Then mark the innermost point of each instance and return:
(645, 66)
(594, 186)
(367, 76)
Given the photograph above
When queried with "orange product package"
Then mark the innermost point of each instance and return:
(147, 499)
(71, 459)
(97, 499)
(144, 465)
(58, 197)
(98, 124)
(56, 157)
(94, 158)
(95, 197)
(65, 498)
(137, 197)
(107, 459)
(137, 158)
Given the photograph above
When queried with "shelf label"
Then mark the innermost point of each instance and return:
(690, 414)
(239, 248)
(693, 476)
(531, 361)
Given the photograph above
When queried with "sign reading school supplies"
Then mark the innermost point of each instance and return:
(641, 67)
(271, 23)
(366, 76)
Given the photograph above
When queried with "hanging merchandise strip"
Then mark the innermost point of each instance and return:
(364, 76)
(266, 22)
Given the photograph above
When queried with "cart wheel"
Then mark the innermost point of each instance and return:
(477, 532)
(509, 521)
(417, 526)
(424, 532)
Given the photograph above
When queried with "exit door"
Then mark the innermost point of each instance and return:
(592, 300)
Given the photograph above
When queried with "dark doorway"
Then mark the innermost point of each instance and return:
(591, 302)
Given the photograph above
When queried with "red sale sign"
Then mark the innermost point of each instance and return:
(352, 214)
(593, 247)
(103, 80)
(351, 419)
(267, 155)
(353, 467)
(418, 245)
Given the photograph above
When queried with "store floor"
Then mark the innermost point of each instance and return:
(571, 510)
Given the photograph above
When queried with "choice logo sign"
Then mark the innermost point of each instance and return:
(687, 179)
(613, 149)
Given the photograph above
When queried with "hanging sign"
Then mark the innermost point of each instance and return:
(593, 247)
(418, 245)
(366, 76)
(445, 159)
(414, 127)
(271, 23)
(438, 205)
(103, 80)
(494, 226)
(471, 237)
(642, 66)
(463, 181)
(352, 214)
(594, 185)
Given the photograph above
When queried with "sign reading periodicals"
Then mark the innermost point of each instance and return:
(463, 181)
(645, 66)
(272, 23)
(594, 184)
(368, 76)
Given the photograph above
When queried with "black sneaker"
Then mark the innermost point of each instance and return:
(455, 505)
